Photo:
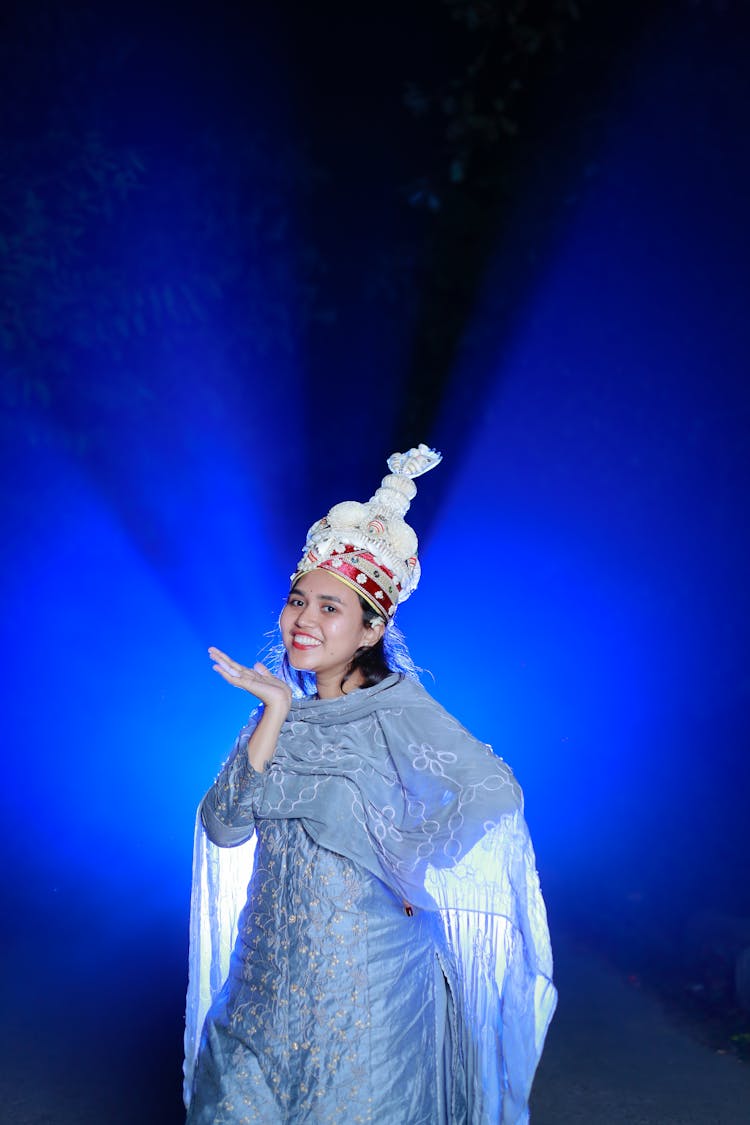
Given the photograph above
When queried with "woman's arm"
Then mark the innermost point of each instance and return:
(274, 694)
(227, 810)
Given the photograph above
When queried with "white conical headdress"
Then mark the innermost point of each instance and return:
(369, 546)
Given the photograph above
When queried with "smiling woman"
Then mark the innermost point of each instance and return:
(393, 932)
(324, 625)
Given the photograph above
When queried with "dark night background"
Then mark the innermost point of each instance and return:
(246, 252)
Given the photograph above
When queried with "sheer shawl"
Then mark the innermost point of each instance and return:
(441, 824)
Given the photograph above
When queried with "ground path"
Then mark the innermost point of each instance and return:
(614, 1057)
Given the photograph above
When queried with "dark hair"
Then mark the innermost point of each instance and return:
(370, 660)
(389, 654)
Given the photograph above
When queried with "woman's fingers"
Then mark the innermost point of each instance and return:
(258, 680)
(227, 670)
(226, 661)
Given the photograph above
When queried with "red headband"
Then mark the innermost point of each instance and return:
(361, 571)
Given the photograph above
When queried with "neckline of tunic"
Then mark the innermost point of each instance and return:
(343, 707)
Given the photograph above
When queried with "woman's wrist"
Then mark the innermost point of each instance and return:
(262, 744)
(275, 713)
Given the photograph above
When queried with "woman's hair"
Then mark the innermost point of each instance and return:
(371, 661)
(374, 662)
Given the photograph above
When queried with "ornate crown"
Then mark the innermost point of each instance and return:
(370, 547)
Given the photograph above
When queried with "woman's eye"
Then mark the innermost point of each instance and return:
(329, 608)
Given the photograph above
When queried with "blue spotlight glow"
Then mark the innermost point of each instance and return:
(593, 544)
(111, 706)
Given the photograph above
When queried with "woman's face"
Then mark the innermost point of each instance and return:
(321, 628)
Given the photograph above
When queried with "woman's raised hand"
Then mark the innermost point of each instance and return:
(269, 689)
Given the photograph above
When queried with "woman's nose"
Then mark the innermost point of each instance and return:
(305, 615)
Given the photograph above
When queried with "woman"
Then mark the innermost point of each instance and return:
(391, 963)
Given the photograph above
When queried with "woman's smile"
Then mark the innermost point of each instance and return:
(322, 627)
(304, 640)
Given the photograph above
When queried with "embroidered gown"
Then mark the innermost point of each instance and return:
(391, 962)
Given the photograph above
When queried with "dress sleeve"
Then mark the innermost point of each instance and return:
(227, 809)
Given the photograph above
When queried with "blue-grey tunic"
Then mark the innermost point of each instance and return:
(391, 919)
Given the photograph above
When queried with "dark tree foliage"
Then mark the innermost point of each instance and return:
(501, 49)
(132, 236)
(515, 118)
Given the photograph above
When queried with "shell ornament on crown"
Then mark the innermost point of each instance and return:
(386, 571)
